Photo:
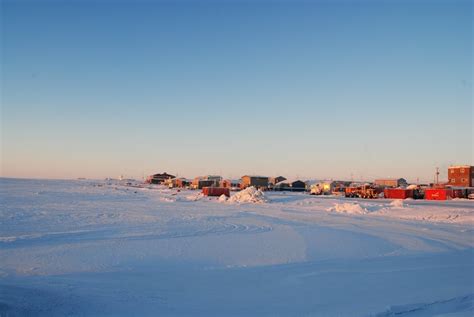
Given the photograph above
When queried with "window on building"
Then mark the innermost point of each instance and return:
(453, 180)
(452, 171)
(462, 170)
(463, 180)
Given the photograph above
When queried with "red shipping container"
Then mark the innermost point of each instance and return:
(215, 191)
(438, 193)
(398, 193)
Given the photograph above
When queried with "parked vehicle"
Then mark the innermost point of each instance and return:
(364, 191)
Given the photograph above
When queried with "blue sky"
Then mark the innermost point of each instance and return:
(315, 89)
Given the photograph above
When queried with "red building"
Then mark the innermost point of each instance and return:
(462, 176)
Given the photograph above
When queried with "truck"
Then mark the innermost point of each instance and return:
(366, 191)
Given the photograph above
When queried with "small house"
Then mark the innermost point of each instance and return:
(282, 186)
(294, 186)
(206, 181)
(260, 182)
(233, 184)
(298, 186)
(158, 178)
(391, 182)
(180, 182)
(274, 180)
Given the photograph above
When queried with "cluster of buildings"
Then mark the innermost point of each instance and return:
(200, 182)
(459, 185)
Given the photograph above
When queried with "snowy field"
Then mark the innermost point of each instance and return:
(84, 248)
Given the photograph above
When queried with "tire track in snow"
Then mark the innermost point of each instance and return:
(206, 227)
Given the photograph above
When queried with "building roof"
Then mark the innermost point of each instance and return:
(163, 175)
(181, 178)
(209, 177)
(289, 182)
(297, 180)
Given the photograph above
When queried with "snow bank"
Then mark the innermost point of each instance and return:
(248, 195)
(348, 208)
(222, 198)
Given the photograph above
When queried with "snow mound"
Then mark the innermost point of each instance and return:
(348, 208)
(222, 198)
(307, 202)
(397, 203)
(248, 195)
(458, 306)
(168, 199)
(195, 197)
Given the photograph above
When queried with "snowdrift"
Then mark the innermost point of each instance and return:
(222, 198)
(348, 208)
(248, 195)
(397, 203)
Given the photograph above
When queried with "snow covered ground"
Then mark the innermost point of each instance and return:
(88, 248)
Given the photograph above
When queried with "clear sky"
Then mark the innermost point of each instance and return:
(315, 89)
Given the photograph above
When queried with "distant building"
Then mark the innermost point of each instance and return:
(391, 182)
(282, 186)
(461, 176)
(206, 181)
(274, 180)
(233, 184)
(294, 186)
(298, 186)
(158, 178)
(225, 183)
(256, 181)
(201, 183)
(180, 182)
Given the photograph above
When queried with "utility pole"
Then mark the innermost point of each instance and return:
(437, 175)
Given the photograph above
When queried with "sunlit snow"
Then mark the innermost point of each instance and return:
(92, 248)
